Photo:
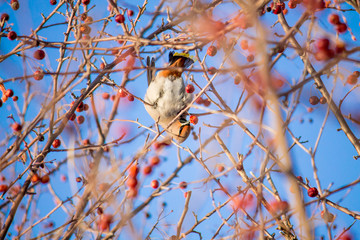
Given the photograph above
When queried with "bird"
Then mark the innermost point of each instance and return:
(166, 97)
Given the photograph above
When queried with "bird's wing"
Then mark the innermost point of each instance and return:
(150, 72)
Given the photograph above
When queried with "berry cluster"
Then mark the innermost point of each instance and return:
(339, 26)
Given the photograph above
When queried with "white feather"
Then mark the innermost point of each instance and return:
(166, 98)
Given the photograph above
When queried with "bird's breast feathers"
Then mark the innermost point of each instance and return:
(166, 96)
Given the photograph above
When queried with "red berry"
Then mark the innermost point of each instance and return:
(131, 98)
(14, 98)
(322, 100)
(211, 51)
(131, 182)
(78, 179)
(356, 73)
(16, 127)
(12, 35)
(102, 65)
(346, 236)
(206, 102)
(189, 88)
(3, 188)
(292, 4)
(86, 142)
(352, 79)
(99, 210)
(212, 70)
(38, 75)
(1, 103)
(45, 179)
(313, 192)
(105, 221)
(250, 58)
(237, 80)
(154, 160)
(80, 119)
(324, 55)
(130, 13)
(4, 17)
(80, 107)
(85, 2)
(194, 119)
(120, 18)
(39, 54)
(72, 117)
(53, 2)
(105, 95)
(323, 44)
(9, 93)
(154, 184)
(334, 19)
(86, 107)
(56, 143)
(341, 28)
(14, 4)
(220, 168)
(132, 193)
(63, 178)
(122, 93)
(277, 9)
(147, 170)
(183, 185)
(313, 100)
(339, 47)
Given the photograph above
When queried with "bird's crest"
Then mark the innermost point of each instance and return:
(188, 60)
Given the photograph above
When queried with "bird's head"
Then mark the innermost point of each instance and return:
(179, 130)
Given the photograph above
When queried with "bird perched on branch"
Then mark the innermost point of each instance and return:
(166, 96)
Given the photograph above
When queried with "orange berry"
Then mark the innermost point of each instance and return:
(35, 178)
(220, 168)
(244, 44)
(104, 222)
(194, 119)
(211, 51)
(105, 95)
(133, 171)
(131, 182)
(154, 160)
(147, 170)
